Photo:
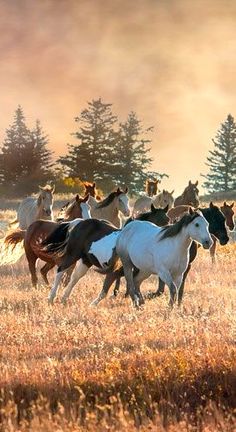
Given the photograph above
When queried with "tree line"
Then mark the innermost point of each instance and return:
(107, 151)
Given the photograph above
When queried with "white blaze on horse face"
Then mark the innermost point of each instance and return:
(85, 211)
(124, 204)
(199, 231)
(102, 249)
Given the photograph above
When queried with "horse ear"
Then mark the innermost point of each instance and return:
(94, 184)
(77, 198)
(118, 190)
(189, 183)
(191, 210)
(232, 205)
(153, 208)
(225, 204)
(166, 208)
(126, 189)
(211, 204)
(85, 199)
(196, 183)
(172, 192)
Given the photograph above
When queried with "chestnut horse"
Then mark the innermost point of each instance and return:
(40, 230)
(190, 196)
(151, 187)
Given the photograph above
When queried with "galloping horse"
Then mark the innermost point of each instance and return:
(146, 249)
(189, 196)
(32, 209)
(161, 200)
(40, 229)
(110, 207)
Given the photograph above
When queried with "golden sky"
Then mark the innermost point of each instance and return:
(171, 61)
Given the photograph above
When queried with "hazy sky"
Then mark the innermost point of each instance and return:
(171, 61)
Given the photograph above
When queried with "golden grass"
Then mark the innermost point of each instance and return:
(112, 367)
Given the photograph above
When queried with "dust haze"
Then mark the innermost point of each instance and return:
(171, 61)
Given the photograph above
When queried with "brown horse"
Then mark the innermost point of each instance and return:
(151, 187)
(90, 188)
(190, 196)
(40, 230)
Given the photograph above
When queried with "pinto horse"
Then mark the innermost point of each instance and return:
(91, 243)
(146, 249)
(41, 229)
(190, 196)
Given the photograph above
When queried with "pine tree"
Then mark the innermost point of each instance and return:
(131, 154)
(92, 159)
(25, 160)
(222, 160)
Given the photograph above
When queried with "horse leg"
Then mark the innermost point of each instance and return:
(32, 258)
(213, 250)
(138, 279)
(79, 271)
(68, 275)
(128, 273)
(166, 277)
(44, 271)
(109, 279)
(66, 263)
(181, 288)
(160, 290)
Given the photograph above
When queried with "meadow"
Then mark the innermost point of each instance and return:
(80, 368)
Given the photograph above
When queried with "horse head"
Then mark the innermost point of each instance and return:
(191, 194)
(227, 210)
(45, 199)
(123, 201)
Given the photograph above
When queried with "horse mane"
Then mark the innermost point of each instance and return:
(108, 200)
(57, 240)
(47, 188)
(174, 229)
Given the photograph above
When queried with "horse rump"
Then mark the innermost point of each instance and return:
(56, 242)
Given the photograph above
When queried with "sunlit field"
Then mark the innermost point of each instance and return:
(114, 368)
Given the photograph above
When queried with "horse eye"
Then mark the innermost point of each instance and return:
(197, 224)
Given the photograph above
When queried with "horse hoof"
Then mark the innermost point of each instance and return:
(64, 301)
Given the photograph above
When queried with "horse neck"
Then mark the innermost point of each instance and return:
(92, 201)
(181, 242)
(112, 212)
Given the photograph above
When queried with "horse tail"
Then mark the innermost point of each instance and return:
(113, 265)
(56, 242)
(14, 238)
(10, 255)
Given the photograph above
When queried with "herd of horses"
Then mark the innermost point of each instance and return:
(160, 236)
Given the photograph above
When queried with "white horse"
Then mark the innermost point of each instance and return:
(146, 249)
(161, 200)
(111, 206)
(32, 209)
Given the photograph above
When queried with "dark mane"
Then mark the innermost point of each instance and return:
(174, 229)
(108, 200)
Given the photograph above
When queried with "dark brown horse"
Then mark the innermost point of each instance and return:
(90, 188)
(151, 187)
(190, 196)
(40, 230)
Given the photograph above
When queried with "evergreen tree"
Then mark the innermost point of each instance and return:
(131, 153)
(92, 159)
(25, 160)
(222, 160)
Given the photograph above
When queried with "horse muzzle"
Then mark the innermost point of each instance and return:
(48, 212)
(207, 244)
(223, 240)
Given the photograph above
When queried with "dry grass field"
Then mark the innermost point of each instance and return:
(114, 368)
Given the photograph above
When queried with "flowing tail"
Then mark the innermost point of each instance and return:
(12, 247)
(113, 266)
